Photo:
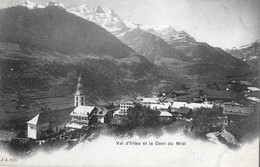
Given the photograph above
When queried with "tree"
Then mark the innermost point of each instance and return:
(142, 116)
(204, 116)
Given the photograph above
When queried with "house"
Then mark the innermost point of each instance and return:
(183, 112)
(165, 117)
(98, 116)
(47, 123)
(124, 106)
(148, 101)
(80, 116)
(253, 92)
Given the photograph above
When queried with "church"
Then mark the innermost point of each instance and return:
(84, 115)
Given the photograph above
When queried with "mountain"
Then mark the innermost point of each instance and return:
(151, 46)
(170, 35)
(43, 51)
(103, 17)
(163, 45)
(249, 53)
(211, 63)
(173, 50)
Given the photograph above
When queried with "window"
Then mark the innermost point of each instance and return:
(82, 103)
(31, 127)
(77, 99)
(82, 98)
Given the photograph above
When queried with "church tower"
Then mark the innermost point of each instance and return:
(79, 96)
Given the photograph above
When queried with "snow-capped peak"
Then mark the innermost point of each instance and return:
(31, 5)
(84, 7)
(54, 3)
(98, 9)
(109, 11)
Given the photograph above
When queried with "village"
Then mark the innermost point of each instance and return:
(73, 125)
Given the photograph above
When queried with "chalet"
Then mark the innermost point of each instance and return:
(165, 117)
(47, 123)
(183, 112)
(98, 116)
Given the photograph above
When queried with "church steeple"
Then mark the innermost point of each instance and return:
(79, 95)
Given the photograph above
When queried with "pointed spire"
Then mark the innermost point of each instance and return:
(79, 79)
(79, 86)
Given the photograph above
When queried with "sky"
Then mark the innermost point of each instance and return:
(220, 23)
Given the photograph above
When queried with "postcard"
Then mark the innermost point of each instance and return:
(129, 83)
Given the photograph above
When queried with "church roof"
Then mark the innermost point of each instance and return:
(57, 117)
(82, 110)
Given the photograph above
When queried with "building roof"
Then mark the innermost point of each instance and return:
(165, 114)
(160, 106)
(183, 110)
(245, 83)
(229, 109)
(253, 88)
(82, 110)
(242, 82)
(101, 111)
(74, 126)
(56, 117)
(254, 99)
(123, 101)
(150, 100)
(178, 104)
(34, 120)
(182, 92)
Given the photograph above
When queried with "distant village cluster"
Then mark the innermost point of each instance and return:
(83, 116)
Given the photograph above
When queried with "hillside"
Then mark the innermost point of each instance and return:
(43, 51)
(54, 29)
(150, 46)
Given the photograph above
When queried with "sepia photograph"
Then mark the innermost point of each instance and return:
(129, 83)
